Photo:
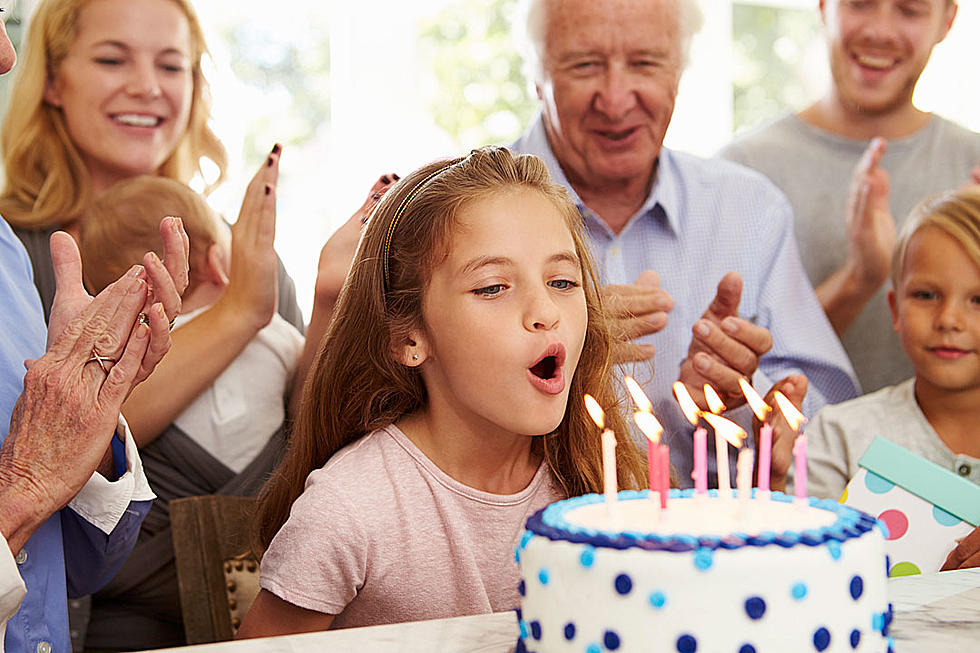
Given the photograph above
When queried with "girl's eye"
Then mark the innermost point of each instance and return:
(489, 291)
(563, 284)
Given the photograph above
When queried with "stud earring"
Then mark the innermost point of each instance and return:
(415, 357)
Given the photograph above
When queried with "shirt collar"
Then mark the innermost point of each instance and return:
(666, 191)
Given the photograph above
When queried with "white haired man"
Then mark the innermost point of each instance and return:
(718, 236)
(858, 156)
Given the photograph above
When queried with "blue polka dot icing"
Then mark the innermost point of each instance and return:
(746, 648)
(569, 631)
(686, 644)
(855, 638)
(536, 630)
(658, 600)
(877, 484)
(799, 591)
(755, 607)
(623, 584)
(593, 648)
(611, 640)
(544, 575)
(821, 639)
(521, 588)
(587, 558)
(523, 626)
(834, 547)
(703, 559)
(856, 587)
(878, 621)
(944, 518)
(525, 538)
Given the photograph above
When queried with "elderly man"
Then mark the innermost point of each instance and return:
(719, 236)
(843, 201)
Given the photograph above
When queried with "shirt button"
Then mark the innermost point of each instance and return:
(964, 470)
(21, 557)
(43, 647)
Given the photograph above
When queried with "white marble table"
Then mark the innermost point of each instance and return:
(933, 612)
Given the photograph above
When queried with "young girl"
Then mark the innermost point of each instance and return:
(935, 305)
(445, 406)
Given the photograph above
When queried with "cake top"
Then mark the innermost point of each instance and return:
(691, 522)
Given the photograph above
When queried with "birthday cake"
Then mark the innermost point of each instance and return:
(704, 575)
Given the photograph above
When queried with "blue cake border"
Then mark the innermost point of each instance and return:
(550, 522)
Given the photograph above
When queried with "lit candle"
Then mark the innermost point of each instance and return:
(715, 404)
(761, 410)
(796, 420)
(743, 475)
(608, 453)
(655, 454)
(717, 407)
(691, 412)
(726, 432)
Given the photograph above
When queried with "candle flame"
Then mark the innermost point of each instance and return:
(595, 411)
(715, 403)
(639, 397)
(789, 411)
(759, 407)
(726, 428)
(691, 410)
(649, 424)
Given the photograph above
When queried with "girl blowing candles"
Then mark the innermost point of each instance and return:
(444, 406)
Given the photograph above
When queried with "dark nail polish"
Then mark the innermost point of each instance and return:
(268, 189)
(276, 148)
(395, 176)
(269, 162)
(385, 180)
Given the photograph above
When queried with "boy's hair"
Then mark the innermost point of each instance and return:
(46, 180)
(124, 223)
(356, 385)
(956, 212)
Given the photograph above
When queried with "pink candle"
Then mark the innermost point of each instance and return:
(609, 484)
(700, 460)
(799, 457)
(664, 474)
(765, 456)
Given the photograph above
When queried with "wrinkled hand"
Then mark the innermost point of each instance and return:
(339, 250)
(633, 311)
(783, 437)
(724, 347)
(253, 282)
(870, 226)
(166, 280)
(64, 420)
(966, 554)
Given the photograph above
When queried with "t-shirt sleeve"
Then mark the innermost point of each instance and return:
(318, 559)
(827, 455)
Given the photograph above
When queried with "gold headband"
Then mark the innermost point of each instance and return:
(386, 245)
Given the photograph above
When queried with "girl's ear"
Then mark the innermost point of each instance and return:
(413, 351)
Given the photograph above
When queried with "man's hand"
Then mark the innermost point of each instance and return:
(966, 554)
(724, 347)
(64, 420)
(783, 437)
(870, 226)
(633, 311)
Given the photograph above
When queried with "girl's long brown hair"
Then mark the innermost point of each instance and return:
(357, 386)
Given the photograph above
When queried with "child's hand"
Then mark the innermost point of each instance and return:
(253, 285)
(338, 252)
(783, 437)
(966, 554)
(870, 226)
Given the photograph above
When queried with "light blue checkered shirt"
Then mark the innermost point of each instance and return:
(702, 219)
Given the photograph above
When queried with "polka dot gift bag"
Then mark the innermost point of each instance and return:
(923, 507)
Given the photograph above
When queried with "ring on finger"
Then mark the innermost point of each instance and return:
(101, 360)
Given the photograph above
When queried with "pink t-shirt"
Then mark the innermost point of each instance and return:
(381, 535)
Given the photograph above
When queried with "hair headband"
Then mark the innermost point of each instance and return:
(386, 245)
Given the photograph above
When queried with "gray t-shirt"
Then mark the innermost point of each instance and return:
(813, 168)
(381, 535)
(840, 434)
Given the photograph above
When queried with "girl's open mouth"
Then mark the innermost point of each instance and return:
(546, 373)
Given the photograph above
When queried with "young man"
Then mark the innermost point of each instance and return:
(858, 159)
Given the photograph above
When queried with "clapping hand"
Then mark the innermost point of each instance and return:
(870, 226)
(633, 311)
(724, 347)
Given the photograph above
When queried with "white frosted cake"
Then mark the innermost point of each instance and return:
(705, 575)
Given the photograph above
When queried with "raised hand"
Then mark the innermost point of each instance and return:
(724, 347)
(870, 226)
(633, 311)
(783, 437)
(253, 284)
(966, 554)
